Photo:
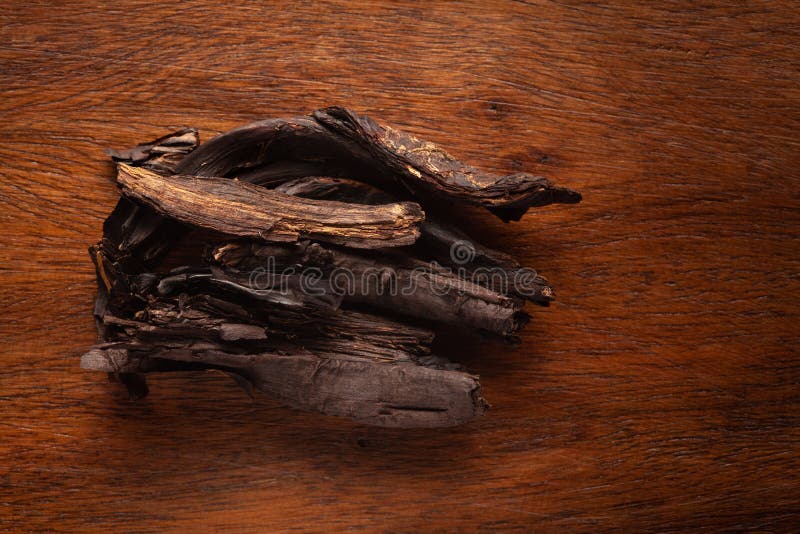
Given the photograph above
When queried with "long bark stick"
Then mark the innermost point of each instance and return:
(242, 209)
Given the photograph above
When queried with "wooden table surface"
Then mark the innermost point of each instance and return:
(660, 392)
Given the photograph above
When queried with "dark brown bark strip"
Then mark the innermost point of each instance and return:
(400, 396)
(174, 322)
(242, 209)
(422, 164)
(300, 140)
(210, 303)
(396, 285)
(439, 241)
(485, 266)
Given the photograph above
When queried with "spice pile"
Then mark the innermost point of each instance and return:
(330, 273)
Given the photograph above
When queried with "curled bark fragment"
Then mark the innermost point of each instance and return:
(160, 155)
(294, 141)
(242, 209)
(422, 164)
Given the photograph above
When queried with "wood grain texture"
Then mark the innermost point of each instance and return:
(659, 393)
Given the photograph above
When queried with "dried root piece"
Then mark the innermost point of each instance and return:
(242, 209)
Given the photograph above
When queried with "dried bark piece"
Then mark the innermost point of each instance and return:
(160, 155)
(200, 325)
(135, 236)
(298, 140)
(337, 142)
(138, 237)
(422, 164)
(288, 147)
(228, 298)
(485, 266)
(166, 320)
(301, 346)
(395, 284)
(439, 240)
(336, 188)
(399, 396)
(281, 293)
(242, 209)
(235, 327)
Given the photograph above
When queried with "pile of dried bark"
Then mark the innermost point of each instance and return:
(329, 280)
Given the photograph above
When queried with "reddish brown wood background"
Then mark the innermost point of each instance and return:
(661, 392)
